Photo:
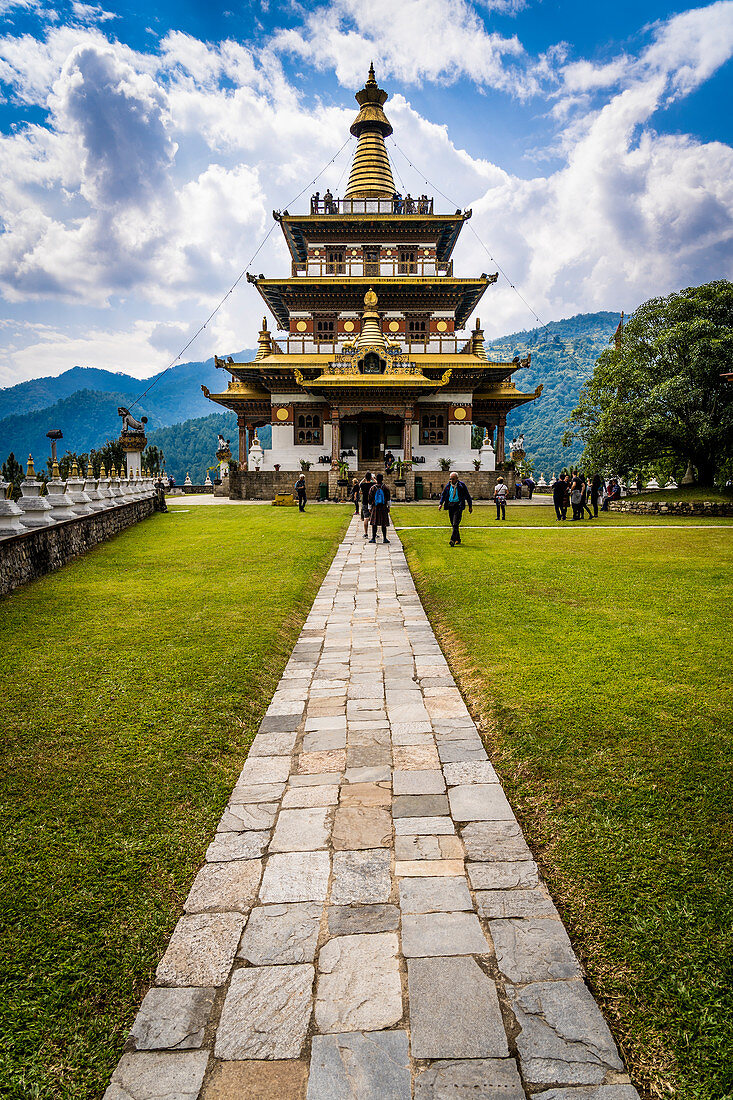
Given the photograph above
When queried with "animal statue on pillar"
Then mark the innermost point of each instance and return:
(129, 423)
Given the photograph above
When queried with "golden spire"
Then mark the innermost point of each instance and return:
(55, 472)
(263, 345)
(90, 471)
(477, 341)
(30, 470)
(371, 331)
(371, 175)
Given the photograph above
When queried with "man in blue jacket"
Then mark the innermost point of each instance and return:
(455, 497)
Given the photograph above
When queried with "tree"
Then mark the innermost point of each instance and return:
(659, 394)
(153, 459)
(13, 472)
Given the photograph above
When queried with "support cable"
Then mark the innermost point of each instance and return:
(238, 280)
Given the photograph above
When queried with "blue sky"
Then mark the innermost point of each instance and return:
(144, 148)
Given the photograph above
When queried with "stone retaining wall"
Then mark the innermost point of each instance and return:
(249, 485)
(42, 550)
(673, 507)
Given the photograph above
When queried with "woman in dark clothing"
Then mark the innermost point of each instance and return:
(584, 501)
(596, 487)
(379, 503)
(355, 495)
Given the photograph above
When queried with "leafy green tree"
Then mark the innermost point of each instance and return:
(153, 459)
(660, 394)
(13, 472)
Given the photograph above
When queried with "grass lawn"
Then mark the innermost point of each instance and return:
(597, 657)
(687, 492)
(134, 680)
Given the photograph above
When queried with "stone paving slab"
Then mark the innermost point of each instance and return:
(368, 921)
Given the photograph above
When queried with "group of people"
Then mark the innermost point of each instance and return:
(372, 501)
(574, 491)
(327, 205)
(408, 205)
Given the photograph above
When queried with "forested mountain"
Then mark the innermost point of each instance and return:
(190, 448)
(563, 356)
(83, 403)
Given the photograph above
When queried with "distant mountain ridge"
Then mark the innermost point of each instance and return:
(83, 401)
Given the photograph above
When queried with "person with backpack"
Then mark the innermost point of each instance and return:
(379, 496)
(300, 492)
(500, 495)
(455, 497)
(365, 487)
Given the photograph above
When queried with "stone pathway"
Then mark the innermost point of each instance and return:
(369, 922)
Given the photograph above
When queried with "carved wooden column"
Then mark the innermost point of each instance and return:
(242, 425)
(407, 435)
(500, 449)
(335, 437)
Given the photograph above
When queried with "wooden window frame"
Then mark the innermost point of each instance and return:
(434, 426)
(307, 426)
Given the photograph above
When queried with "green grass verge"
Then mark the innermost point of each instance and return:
(598, 662)
(688, 492)
(134, 682)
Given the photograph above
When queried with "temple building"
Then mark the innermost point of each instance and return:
(375, 359)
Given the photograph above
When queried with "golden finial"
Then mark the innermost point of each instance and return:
(74, 469)
(113, 471)
(264, 344)
(90, 471)
(370, 298)
(55, 472)
(371, 78)
(371, 174)
(30, 470)
(102, 471)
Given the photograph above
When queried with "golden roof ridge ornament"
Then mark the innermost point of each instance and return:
(264, 346)
(371, 334)
(371, 173)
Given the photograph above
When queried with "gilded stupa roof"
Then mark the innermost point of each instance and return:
(371, 173)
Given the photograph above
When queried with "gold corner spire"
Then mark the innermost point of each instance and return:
(264, 346)
(371, 174)
(371, 331)
(30, 470)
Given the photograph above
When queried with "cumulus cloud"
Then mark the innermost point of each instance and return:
(151, 182)
(413, 40)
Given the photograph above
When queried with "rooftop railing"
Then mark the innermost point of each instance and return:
(396, 205)
(372, 269)
(311, 345)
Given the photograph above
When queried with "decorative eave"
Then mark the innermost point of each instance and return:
(328, 292)
(301, 230)
(504, 394)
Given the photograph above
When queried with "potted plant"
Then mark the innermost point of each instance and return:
(343, 478)
(401, 468)
(477, 464)
(305, 465)
(277, 467)
(444, 464)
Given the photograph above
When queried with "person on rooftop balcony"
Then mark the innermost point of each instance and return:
(409, 204)
(328, 203)
(315, 202)
(397, 203)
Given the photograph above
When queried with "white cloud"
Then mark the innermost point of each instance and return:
(413, 40)
(152, 181)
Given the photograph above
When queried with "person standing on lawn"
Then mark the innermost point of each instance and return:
(455, 497)
(596, 492)
(379, 495)
(558, 498)
(300, 492)
(355, 495)
(365, 486)
(500, 495)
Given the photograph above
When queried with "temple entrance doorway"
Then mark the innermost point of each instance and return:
(372, 440)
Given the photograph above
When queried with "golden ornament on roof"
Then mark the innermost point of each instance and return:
(370, 299)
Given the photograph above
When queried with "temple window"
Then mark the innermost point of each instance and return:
(335, 261)
(433, 427)
(417, 328)
(308, 428)
(324, 327)
(371, 261)
(407, 262)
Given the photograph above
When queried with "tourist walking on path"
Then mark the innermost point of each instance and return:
(379, 496)
(455, 497)
(584, 501)
(365, 486)
(300, 492)
(355, 495)
(596, 490)
(500, 495)
(558, 498)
